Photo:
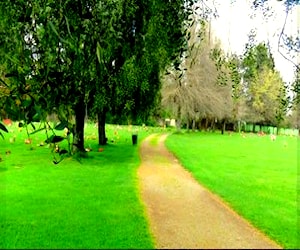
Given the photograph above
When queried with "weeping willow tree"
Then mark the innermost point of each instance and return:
(196, 92)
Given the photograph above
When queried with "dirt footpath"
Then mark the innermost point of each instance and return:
(183, 214)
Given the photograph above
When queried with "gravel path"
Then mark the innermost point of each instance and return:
(182, 213)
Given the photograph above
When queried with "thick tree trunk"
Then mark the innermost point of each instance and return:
(78, 143)
(101, 128)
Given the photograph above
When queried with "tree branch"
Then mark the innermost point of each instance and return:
(281, 37)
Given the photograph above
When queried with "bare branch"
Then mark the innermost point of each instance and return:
(281, 37)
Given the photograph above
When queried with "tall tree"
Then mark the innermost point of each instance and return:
(256, 57)
(133, 71)
(258, 65)
(197, 93)
(88, 54)
(267, 92)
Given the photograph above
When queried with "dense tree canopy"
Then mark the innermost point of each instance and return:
(67, 56)
(263, 87)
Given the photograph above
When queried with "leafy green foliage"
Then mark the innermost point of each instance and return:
(3, 128)
(255, 58)
(54, 139)
(234, 66)
(265, 91)
(69, 57)
(62, 125)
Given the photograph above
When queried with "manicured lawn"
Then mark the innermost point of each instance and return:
(92, 204)
(257, 177)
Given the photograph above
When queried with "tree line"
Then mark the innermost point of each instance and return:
(213, 89)
(97, 58)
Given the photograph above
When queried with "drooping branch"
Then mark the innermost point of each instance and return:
(289, 43)
(281, 37)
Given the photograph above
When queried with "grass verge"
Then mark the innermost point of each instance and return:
(257, 177)
(92, 204)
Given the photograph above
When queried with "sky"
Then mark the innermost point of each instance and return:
(234, 24)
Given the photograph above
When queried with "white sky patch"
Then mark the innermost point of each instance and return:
(234, 24)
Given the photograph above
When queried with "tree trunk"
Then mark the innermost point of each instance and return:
(78, 143)
(206, 124)
(188, 125)
(199, 125)
(239, 126)
(223, 127)
(178, 124)
(101, 128)
(193, 125)
(212, 125)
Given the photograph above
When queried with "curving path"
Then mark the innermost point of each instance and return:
(182, 213)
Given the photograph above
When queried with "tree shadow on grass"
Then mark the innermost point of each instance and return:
(2, 169)
(111, 154)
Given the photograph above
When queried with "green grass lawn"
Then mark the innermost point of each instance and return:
(257, 177)
(92, 204)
